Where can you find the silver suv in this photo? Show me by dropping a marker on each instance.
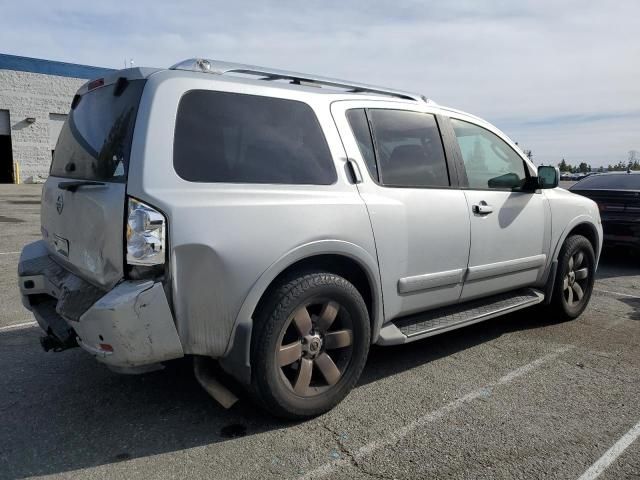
(281, 223)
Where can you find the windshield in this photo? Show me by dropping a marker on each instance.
(95, 141)
(615, 181)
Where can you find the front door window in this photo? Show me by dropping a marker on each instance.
(489, 161)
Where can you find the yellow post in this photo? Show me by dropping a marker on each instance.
(16, 172)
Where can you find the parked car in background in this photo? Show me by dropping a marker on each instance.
(281, 223)
(578, 176)
(618, 197)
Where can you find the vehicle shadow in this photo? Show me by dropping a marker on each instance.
(512, 208)
(68, 412)
(633, 303)
(388, 361)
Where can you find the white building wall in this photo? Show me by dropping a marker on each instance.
(56, 122)
(42, 97)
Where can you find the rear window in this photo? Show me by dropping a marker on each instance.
(615, 181)
(95, 141)
(238, 138)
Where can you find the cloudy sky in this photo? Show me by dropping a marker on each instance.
(561, 78)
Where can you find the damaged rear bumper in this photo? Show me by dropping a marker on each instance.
(126, 327)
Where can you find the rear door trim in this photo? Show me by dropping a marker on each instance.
(427, 281)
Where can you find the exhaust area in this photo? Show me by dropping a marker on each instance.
(204, 372)
(51, 342)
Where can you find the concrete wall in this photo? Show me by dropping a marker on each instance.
(35, 95)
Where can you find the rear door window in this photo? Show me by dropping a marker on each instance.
(408, 148)
(238, 138)
(360, 127)
(95, 140)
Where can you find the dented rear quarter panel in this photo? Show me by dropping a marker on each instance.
(224, 240)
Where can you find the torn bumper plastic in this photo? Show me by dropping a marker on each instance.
(129, 326)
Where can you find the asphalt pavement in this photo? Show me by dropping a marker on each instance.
(522, 396)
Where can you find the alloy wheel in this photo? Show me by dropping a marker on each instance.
(576, 281)
(315, 347)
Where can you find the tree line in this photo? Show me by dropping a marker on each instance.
(633, 163)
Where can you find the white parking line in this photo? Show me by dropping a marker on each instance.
(616, 293)
(17, 326)
(328, 468)
(9, 253)
(610, 455)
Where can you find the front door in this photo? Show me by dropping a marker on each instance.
(419, 218)
(510, 228)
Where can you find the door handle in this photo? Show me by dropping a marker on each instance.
(482, 208)
(354, 170)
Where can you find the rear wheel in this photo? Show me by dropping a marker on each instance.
(309, 346)
(575, 277)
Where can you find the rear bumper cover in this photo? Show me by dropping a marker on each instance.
(129, 326)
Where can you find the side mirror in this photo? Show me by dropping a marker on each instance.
(548, 176)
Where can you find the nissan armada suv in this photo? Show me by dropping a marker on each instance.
(281, 223)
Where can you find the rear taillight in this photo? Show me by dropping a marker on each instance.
(145, 235)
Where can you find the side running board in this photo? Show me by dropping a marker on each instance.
(433, 322)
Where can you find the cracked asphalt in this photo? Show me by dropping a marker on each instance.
(522, 396)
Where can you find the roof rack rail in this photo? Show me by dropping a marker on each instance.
(221, 68)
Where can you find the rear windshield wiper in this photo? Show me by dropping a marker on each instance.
(73, 186)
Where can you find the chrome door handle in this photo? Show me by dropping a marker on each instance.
(482, 208)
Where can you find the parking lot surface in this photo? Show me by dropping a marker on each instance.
(522, 396)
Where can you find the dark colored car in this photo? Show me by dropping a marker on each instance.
(618, 198)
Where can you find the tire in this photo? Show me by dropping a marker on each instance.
(288, 346)
(572, 290)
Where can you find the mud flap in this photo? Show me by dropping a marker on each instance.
(551, 281)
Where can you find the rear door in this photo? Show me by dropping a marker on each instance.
(419, 218)
(510, 228)
(83, 199)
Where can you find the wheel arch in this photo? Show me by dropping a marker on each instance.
(343, 258)
(582, 225)
(586, 228)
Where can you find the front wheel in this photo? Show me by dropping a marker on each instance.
(574, 278)
(309, 346)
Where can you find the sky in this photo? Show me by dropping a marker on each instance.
(560, 78)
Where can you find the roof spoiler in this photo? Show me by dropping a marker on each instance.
(135, 73)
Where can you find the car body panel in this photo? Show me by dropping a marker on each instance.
(227, 243)
(83, 201)
(128, 326)
(569, 211)
(509, 246)
(408, 224)
(224, 236)
(83, 230)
